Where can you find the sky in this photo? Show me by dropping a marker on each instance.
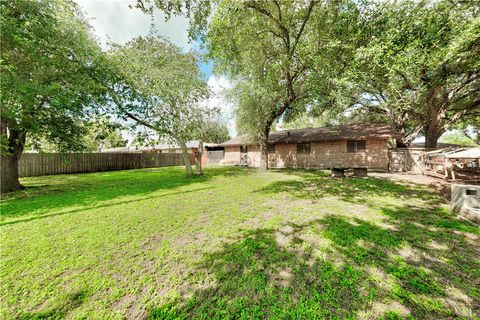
(115, 21)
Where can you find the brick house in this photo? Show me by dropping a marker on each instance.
(347, 146)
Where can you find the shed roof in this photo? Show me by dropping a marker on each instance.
(344, 132)
(473, 153)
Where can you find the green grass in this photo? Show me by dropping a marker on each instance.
(235, 244)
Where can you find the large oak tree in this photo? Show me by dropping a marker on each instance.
(49, 72)
(281, 55)
(419, 67)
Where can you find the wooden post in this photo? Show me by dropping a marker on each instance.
(445, 167)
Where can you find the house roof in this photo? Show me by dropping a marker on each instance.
(344, 132)
(130, 149)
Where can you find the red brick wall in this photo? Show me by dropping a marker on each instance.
(322, 155)
(232, 155)
(331, 154)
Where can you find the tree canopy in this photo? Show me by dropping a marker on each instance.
(281, 55)
(160, 88)
(215, 132)
(49, 62)
(418, 66)
(411, 63)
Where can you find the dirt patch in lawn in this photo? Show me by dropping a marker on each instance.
(153, 242)
(440, 186)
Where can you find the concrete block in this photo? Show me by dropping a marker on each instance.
(466, 201)
(360, 172)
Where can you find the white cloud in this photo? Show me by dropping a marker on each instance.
(116, 21)
(218, 85)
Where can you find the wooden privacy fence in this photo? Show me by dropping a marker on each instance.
(38, 164)
(215, 156)
(406, 160)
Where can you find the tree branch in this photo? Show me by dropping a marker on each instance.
(302, 27)
(255, 6)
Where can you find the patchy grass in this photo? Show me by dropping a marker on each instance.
(235, 243)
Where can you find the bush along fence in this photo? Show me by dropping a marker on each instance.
(38, 164)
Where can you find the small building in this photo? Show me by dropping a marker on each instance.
(212, 153)
(346, 146)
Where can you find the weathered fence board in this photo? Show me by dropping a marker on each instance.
(406, 160)
(215, 156)
(38, 164)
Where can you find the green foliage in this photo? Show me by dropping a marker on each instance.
(215, 132)
(49, 62)
(103, 134)
(305, 120)
(98, 134)
(167, 84)
(160, 89)
(283, 56)
(197, 11)
(421, 73)
(457, 137)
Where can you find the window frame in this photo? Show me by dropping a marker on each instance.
(243, 149)
(303, 148)
(359, 146)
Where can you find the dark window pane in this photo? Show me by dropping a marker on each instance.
(271, 148)
(243, 149)
(303, 147)
(361, 145)
(306, 147)
(351, 146)
(299, 148)
(356, 145)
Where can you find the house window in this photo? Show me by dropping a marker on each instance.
(303, 147)
(271, 148)
(243, 149)
(356, 146)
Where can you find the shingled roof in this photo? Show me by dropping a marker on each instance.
(345, 132)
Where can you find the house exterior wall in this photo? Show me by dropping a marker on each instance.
(322, 155)
(331, 154)
(232, 155)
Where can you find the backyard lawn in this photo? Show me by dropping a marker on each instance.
(236, 243)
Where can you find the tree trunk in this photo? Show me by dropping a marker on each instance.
(186, 161)
(9, 167)
(198, 158)
(10, 160)
(432, 128)
(432, 134)
(264, 150)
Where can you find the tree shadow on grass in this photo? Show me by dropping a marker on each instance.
(257, 278)
(405, 269)
(71, 301)
(315, 184)
(47, 215)
(90, 190)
